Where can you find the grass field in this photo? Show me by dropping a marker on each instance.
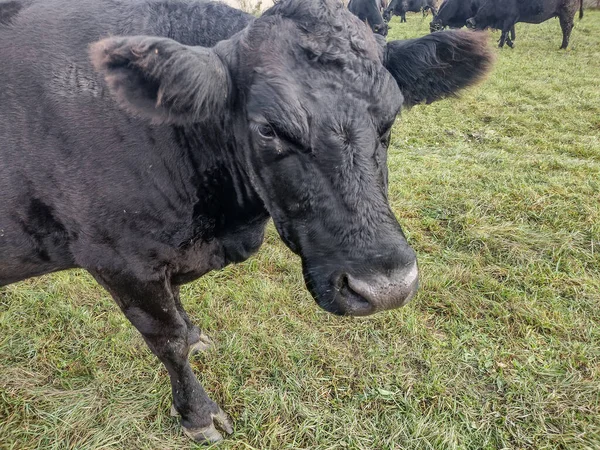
(499, 194)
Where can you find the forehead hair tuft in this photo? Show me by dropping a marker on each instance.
(329, 32)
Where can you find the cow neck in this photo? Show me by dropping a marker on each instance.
(226, 200)
(447, 10)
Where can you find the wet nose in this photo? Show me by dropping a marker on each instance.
(365, 295)
(471, 23)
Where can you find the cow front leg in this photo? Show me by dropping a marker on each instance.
(509, 30)
(153, 307)
(502, 39)
(510, 42)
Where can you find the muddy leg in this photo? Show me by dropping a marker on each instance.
(152, 307)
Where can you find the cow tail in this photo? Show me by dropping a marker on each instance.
(580, 9)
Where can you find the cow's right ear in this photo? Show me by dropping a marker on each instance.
(162, 80)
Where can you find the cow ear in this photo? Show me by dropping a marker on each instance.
(162, 80)
(437, 65)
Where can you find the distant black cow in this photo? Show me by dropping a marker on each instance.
(369, 12)
(455, 13)
(150, 161)
(504, 14)
(401, 7)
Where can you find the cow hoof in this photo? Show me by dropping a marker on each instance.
(207, 435)
(223, 421)
(201, 345)
(210, 433)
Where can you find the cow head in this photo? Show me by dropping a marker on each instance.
(437, 24)
(484, 16)
(371, 12)
(309, 96)
(453, 13)
(389, 11)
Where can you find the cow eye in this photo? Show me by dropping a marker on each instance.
(266, 131)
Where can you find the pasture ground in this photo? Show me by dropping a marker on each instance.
(499, 193)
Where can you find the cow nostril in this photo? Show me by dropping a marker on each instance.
(354, 303)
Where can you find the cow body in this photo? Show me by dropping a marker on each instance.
(369, 11)
(51, 229)
(504, 14)
(401, 7)
(157, 154)
(455, 13)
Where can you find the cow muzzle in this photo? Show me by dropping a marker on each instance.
(366, 295)
(471, 23)
(435, 26)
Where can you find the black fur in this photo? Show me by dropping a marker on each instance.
(163, 80)
(235, 120)
(420, 65)
(9, 10)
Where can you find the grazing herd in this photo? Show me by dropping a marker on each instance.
(475, 14)
(401, 7)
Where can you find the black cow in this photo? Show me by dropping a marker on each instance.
(149, 161)
(401, 7)
(455, 13)
(504, 14)
(369, 12)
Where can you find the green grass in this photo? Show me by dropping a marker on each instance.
(498, 192)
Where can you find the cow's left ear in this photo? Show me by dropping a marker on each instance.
(162, 80)
(437, 65)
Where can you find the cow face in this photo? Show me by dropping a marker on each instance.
(319, 117)
(310, 97)
(453, 13)
(436, 24)
(484, 17)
